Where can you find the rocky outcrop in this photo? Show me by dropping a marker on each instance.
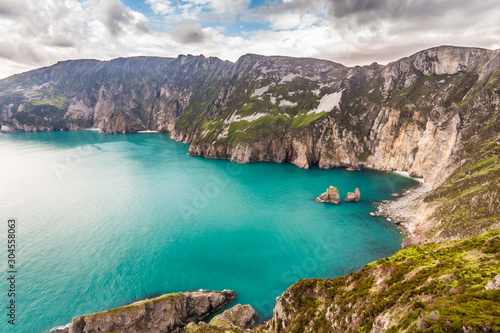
(330, 196)
(494, 284)
(414, 290)
(167, 313)
(238, 318)
(353, 197)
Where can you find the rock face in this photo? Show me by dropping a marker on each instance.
(427, 114)
(167, 313)
(359, 302)
(239, 317)
(494, 284)
(353, 197)
(330, 196)
(408, 115)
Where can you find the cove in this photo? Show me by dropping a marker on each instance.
(105, 220)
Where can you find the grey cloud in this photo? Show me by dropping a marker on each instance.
(219, 18)
(11, 9)
(115, 15)
(60, 42)
(188, 33)
(142, 27)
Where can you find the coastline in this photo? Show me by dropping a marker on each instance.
(409, 212)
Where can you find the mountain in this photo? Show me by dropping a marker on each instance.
(434, 114)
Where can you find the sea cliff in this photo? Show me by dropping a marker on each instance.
(434, 114)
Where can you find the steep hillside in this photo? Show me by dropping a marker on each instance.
(445, 287)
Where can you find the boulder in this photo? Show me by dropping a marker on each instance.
(241, 316)
(353, 197)
(353, 167)
(331, 196)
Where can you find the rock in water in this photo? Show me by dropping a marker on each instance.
(353, 197)
(353, 167)
(331, 196)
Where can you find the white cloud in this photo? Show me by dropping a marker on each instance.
(162, 7)
(39, 33)
(293, 20)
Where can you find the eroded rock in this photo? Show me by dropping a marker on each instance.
(353, 197)
(330, 196)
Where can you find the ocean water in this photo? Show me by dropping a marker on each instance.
(105, 220)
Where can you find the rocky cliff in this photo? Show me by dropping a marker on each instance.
(434, 114)
(408, 115)
(445, 287)
(428, 114)
(167, 313)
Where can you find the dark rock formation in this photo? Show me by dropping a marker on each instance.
(330, 196)
(353, 197)
(167, 313)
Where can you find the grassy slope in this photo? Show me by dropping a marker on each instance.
(432, 288)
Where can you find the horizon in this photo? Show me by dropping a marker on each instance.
(361, 32)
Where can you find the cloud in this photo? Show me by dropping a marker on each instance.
(37, 33)
(188, 32)
(11, 8)
(117, 17)
(161, 7)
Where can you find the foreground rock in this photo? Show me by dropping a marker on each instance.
(167, 313)
(239, 317)
(353, 197)
(330, 196)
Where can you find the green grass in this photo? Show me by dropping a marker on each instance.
(59, 101)
(445, 280)
(363, 157)
(305, 120)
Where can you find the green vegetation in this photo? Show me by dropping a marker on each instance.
(305, 120)
(432, 288)
(363, 157)
(262, 128)
(59, 102)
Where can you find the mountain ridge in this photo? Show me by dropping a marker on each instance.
(418, 114)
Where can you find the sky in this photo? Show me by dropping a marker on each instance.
(36, 33)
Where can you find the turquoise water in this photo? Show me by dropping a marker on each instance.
(106, 220)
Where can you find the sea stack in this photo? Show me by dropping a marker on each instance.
(331, 196)
(353, 197)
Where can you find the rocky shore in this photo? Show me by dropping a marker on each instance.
(410, 213)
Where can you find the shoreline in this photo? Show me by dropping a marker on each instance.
(408, 212)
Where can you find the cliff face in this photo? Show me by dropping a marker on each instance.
(423, 114)
(408, 115)
(418, 289)
(446, 287)
(167, 313)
